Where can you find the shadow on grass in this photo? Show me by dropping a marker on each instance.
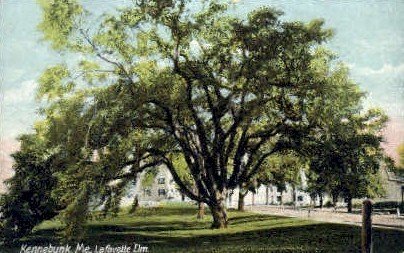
(254, 218)
(146, 227)
(173, 229)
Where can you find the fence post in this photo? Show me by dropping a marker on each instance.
(367, 227)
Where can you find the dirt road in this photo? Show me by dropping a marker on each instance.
(391, 221)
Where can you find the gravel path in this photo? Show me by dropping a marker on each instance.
(391, 221)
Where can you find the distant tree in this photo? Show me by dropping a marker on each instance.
(243, 190)
(400, 151)
(281, 170)
(317, 183)
(29, 198)
(293, 166)
(347, 159)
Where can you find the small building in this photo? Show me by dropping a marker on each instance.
(163, 188)
(393, 185)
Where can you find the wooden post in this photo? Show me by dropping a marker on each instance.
(367, 227)
(402, 195)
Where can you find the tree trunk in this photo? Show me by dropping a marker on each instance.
(294, 195)
(135, 205)
(182, 197)
(349, 204)
(253, 199)
(219, 216)
(334, 201)
(241, 201)
(267, 195)
(281, 202)
(321, 200)
(201, 210)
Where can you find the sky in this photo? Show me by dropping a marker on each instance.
(369, 38)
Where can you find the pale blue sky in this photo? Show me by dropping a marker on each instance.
(369, 38)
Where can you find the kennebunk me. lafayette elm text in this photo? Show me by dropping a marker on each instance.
(81, 248)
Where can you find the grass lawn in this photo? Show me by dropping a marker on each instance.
(174, 228)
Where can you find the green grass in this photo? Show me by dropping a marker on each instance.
(175, 229)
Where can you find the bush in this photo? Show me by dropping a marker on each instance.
(357, 205)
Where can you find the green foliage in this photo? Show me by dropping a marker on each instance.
(59, 20)
(92, 72)
(328, 204)
(51, 83)
(346, 158)
(283, 168)
(149, 177)
(181, 166)
(75, 215)
(29, 200)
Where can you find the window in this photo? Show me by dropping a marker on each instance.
(299, 198)
(147, 192)
(162, 192)
(161, 180)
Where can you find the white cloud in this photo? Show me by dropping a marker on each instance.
(23, 93)
(385, 41)
(386, 69)
(13, 74)
(350, 65)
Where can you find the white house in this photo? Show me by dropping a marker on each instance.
(165, 189)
